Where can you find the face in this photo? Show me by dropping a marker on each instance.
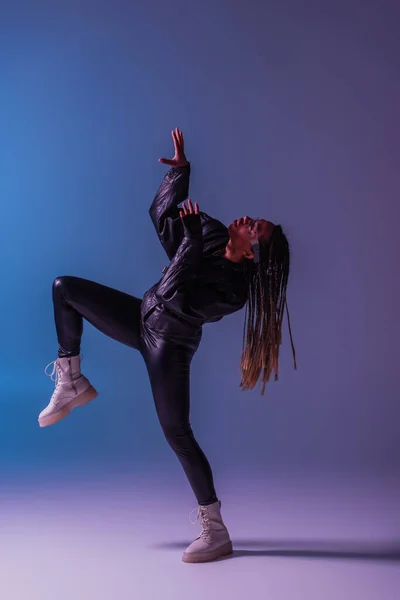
(241, 232)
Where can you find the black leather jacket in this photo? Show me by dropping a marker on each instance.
(200, 285)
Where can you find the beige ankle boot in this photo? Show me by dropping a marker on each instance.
(214, 540)
(72, 389)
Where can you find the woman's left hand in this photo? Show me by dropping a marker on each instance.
(190, 210)
(190, 217)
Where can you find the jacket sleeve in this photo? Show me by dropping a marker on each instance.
(164, 211)
(213, 302)
(182, 269)
(181, 291)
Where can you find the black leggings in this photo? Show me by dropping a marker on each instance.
(118, 315)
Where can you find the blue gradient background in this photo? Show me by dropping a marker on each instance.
(290, 111)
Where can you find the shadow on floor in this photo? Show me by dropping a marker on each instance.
(373, 551)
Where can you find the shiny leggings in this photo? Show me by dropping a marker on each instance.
(118, 315)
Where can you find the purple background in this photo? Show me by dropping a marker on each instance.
(290, 111)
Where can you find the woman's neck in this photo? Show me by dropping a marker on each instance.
(230, 253)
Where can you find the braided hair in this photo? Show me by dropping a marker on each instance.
(262, 336)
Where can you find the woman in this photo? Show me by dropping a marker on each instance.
(213, 271)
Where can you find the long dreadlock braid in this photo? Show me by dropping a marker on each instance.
(262, 335)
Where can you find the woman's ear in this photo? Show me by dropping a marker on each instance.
(249, 254)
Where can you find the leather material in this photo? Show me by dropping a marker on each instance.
(200, 285)
(167, 348)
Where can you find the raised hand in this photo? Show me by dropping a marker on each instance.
(179, 159)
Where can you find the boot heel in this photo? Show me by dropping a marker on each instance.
(228, 549)
(87, 396)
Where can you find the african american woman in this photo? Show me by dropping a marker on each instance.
(214, 271)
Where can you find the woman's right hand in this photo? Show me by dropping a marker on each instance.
(179, 159)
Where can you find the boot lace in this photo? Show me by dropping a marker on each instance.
(56, 376)
(202, 513)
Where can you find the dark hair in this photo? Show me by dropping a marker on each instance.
(262, 335)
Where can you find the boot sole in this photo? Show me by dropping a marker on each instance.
(87, 396)
(201, 557)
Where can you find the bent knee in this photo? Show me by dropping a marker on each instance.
(62, 285)
(61, 282)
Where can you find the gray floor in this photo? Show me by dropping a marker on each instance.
(115, 539)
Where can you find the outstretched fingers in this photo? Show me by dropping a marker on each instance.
(179, 153)
(181, 140)
(190, 209)
(175, 138)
